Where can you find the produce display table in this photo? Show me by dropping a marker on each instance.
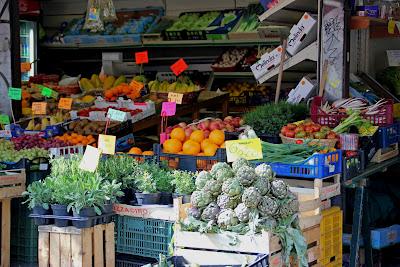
(361, 219)
(206, 99)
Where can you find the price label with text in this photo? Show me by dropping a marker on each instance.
(179, 67)
(90, 159)
(4, 119)
(25, 66)
(247, 148)
(116, 115)
(48, 92)
(136, 85)
(175, 97)
(107, 144)
(168, 109)
(15, 93)
(65, 103)
(39, 108)
(141, 57)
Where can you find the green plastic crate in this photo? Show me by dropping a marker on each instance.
(142, 237)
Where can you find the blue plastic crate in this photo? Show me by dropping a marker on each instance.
(380, 237)
(388, 135)
(317, 166)
(142, 237)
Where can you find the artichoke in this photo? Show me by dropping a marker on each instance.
(237, 164)
(201, 179)
(226, 202)
(242, 212)
(268, 206)
(264, 171)
(262, 185)
(232, 187)
(214, 187)
(200, 199)
(210, 213)
(218, 167)
(246, 175)
(268, 223)
(251, 197)
(224, 174)
(279, 189)
(227, 218)
(194, 212)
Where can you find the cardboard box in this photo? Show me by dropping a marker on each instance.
(267, 62)
(303, 91)
(302, 34)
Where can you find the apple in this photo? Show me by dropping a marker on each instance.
(206, 133)
(193, 127)
(204, 125)
(228, 118)
(182, 124)
(241, 122)
(188, 131)
(214, 125)
(169, 129)
(230, 128)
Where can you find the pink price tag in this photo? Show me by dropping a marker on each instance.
(168, 109)
(163, 137)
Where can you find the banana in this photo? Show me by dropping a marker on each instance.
(45, 123)
(31, 125)
(53, 120)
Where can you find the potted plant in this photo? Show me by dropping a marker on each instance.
(39, 198)
(59, 200)
(184, 183)
(112, 190)
(147, 186)
(163, 181)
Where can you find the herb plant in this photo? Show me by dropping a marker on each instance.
(184, 182)
(38, 195)
(146, 184)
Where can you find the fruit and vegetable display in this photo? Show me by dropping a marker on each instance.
(87, 127)
(35, 141)
(249, 21)
(194, 21)
(101, 81)
(245, 200)
(229, 59)
(76, 139)
(85, 112)
(182, 85)
(40, 124)
(308, 130)
(253, 56)
(355, 123)
(391, 78)
(14, 152)
(343, 106)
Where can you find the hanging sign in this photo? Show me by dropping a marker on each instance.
(246, 148)
(179, 67)
(65, 103)
(14, 93)
(175, 97)
(168, 109)
(116, 115)
(141, 57)
(90, 159)
(107, 144)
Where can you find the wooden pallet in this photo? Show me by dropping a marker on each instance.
(385, 154)
(70, 246)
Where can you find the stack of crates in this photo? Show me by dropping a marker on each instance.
(331, 229)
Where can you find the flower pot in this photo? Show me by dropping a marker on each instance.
(60, 210)
(185, 198)
(148, 199)
(166, 198)
(39, 210)
(129, 195)
(107, 208)
(85, 212)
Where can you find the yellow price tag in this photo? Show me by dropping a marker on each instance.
(247, 148)
(90, 159)
(390, 27)
(39, 108)
(65, 103)
(107, 144)
(175, 97)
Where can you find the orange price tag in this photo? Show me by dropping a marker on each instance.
(141, 57)
(136, 85)
(25, 66)
(39, 108)
(179, 67)
(65, 103)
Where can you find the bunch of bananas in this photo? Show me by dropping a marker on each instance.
(103, 82)
(47, 121)
(182, 85)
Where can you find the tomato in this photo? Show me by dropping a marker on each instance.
(299, 142)
(308, 129)
(351, 154)
(301, 134)
(325, 129)
(299, 129)
(315, 128)
(319, 135)
(284, 130)
(331, 135)
(307, 123)
(291, 126)
(290, 133)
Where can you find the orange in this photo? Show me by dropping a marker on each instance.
(197, 136)
(148, 153)
(172, 146)
(135, 150)
(217, 137)
(204, 143)
(201, 154)
(210, 150)
(178, 133)
(191, 147)
(223, 145)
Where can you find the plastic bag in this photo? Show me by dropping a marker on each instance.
(108, 10)
(93, 21)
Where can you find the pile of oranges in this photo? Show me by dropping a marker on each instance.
(196, 144)
(77, 139)
(138, 151)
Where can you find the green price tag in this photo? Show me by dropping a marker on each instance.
(15, 93)
(4, 119)
(48, 92)
(116, 115)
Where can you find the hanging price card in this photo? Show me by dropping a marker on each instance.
(48, 92)
(168, 109)
(247, 148)
(4, 119)
(175, 97)
(90, 159)
(65, 103)
(14, 93)
(179, 67)
(39, 108)
(391, 25)
(25, 66)
(136, 85)
(107, 144)
(141, 57)
(116, 115)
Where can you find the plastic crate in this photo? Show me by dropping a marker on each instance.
(123, 260)
(65, 152)
(317, 166)
(331, 229)
(261, 261)
(388, 135)
(353, 165)
(187, 162)
(380, 237)
(142, 237)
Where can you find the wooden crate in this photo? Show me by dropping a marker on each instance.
(385, 154)
(70, 246)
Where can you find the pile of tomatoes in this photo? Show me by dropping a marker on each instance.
(308, 130)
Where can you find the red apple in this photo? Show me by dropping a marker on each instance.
(241, 122)
(188, 131)
(193, 127)
(182, 124)
(214, 125)
(228, 118)
(236, 122)
(206, 133)
(230, 128)
(175, 126)
(204, 125)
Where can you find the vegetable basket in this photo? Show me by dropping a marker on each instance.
(322, 142)
(188, 98)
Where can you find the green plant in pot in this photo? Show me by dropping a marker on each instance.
(147, 186)
(163, 180)
(39, 198)
(112, 191)
(184, 183)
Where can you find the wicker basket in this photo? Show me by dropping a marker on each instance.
(323, 142)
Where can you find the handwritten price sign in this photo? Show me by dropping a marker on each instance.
(168, 109)
(90, 159)
(4, 119)
(175, 97)
(107, 144)
(116, 115)
(39, 108)
(248, 149)
(65, 103)
(15, 93)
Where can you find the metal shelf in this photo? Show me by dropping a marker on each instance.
(240, 74)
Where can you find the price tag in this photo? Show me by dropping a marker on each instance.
(168, 109)
(116, 115)
(5, 134)
(136, 85)
(90, 159)
(179, 67)
(393, 57)
(175, 97)
(48, 92)
(247, 148)
(4, 119)
(65, 103)
(25, 66)
(141, 57)
(391, 25)
(107, 144)
(39, 108)
(396, 110)
(15, 93)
